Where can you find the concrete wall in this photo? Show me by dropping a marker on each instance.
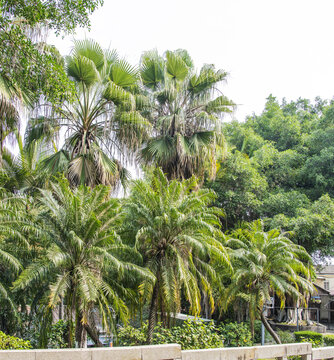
(173, 352)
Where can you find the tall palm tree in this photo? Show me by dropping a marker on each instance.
(177, 234)
(186, 111)
(77, 230)
(266, 263)
(102, 122)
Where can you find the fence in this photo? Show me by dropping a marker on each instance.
(173, 352)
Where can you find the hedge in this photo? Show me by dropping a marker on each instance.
(309, 336)
(8, 342)
(329, 340)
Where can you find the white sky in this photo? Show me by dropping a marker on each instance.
(267, 46)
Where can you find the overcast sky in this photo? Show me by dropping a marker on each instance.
(267, 46)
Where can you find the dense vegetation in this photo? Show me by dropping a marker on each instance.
(225, 214)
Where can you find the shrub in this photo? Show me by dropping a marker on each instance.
(190, 335)
(286, 337)
(8, 342)
(236, 335)
(195, 335)
(57, 337)
(131, 336)
(329, 340)
(312, 337)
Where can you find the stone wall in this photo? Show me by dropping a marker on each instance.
(173, 352)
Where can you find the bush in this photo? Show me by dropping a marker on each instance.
(329, 340)
(236, 335)
(195, 335)
(190, 335)
(131, 336)
(286, 337)
(57, 337)
(312, 337)
(8, 342)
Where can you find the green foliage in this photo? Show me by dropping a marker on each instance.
(286, 337)
(128, 335)
(13, 343)
(290, 146)
(329, 340)
(263, 263)
(176, 231)
(236, 335)
(184, 114)
(58, 335)
(190, 335)
(312, 226)
(81, 257)
(240, 189)
(37, 68)
(316, 339)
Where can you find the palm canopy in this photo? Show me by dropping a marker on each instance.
(80, 252)
(102, 122)
(185, 113)
(177, 234)
(266, 263)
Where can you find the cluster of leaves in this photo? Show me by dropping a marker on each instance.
(316, 339)
(329, 340)
(190, 335)
(28, 65)
(8, 342)
(236, 335)
(278, 168)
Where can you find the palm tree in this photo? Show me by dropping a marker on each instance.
(9, 121)
(102, 122)
(177, 234)
(80, 252)
(266, 263)
(23, 173)
(185, 113)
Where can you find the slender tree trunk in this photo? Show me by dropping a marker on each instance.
(80, 332)
(93, 334)
(152, 318)
(270, 329)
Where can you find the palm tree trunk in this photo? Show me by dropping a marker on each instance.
(152, 318)
(93, 335)
(80, 332)
(270, 329)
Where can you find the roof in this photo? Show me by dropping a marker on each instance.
(321, 290)
(329, 269)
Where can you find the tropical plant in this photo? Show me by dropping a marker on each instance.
(192, 334)
(236, 335)
(266, 263)
(24, 172)
(102, 124)
(177, 233)
(13, 343)
(185, 113)
(79, 264)
(9, 121)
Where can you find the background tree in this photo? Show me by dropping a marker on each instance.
(266, 263)
(26, 62)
